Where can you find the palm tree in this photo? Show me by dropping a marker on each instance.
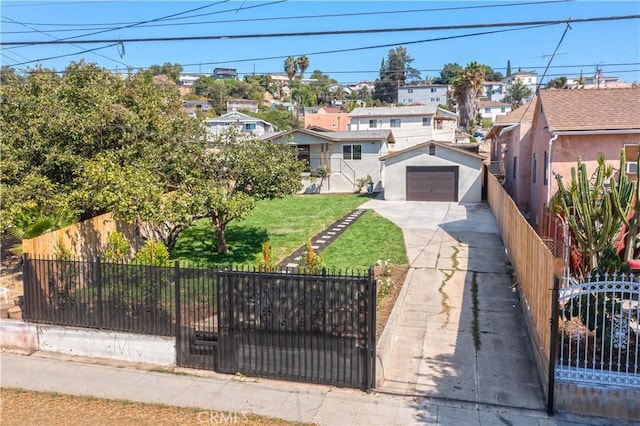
(466, 88)
(303, 63)
(290, 67)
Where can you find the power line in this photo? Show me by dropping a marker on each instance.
(288, 18)
(323, 33)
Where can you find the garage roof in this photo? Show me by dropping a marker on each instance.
(426, 144)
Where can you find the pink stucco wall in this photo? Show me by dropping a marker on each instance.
(518, 146)
(564, 154)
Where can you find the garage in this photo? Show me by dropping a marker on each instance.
(432, 183)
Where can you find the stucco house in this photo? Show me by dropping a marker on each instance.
(425, 94)
(568, 124)
(349, 155)
(493, 90)
(242, 104)
(529, 79)
(410, 125)
(243, 122)
(492, 109)
(329, 118)
(510, 138)
(433, 171)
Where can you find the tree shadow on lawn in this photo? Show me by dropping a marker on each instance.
(197, 245)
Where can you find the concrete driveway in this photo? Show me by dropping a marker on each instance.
(460, 334)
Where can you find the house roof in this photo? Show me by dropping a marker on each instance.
(524, 113)
(236, 117)
(489, 104)
(426, 144)
(242, 100)
(344, 136)
(395, 111)
(604, 109)
(422, 86)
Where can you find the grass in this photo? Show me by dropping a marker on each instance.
(369, 239)
(285, 223)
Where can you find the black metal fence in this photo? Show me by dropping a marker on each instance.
(312, 328)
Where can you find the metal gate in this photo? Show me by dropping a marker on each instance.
(309, 328)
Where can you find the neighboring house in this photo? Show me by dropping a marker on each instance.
(568, 124)
(433, 171)
(193, 107)
(426, 94)
(328, 118)
(225, 74)
(188, 79)
(349, 156)
(242, 104)
(492, 109)
(410, 125)
(243, 122)
(510, 138)
(529, 79)
(596, 82)
(493, 90)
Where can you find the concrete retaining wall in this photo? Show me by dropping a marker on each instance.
(600, 401)
(83, 342)
(385, 342)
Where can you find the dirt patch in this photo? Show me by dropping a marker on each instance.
(385, 305)
(20, 407)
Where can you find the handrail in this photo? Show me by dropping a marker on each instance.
(343, 168)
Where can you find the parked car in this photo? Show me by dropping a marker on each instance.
(478, 135)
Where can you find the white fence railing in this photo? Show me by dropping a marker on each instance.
(599, 330)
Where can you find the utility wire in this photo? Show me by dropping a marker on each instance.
(286, 18)
(82, 50)
(323, 33)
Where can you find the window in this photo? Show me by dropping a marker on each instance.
(373, 124)
(434, 90)
(352, 152)
(546, 168)
(432, 149)
(409, 90)
(410, 100)
(395, 122)
(433, 99)
(631, 153)
(304, 154)
(631, 168)
(533, 168)
(503, 110)
(249, 127)
(487, 110)
(334, 125)
(426, 121)
(437, 99)
(439, 124)
(515, 167)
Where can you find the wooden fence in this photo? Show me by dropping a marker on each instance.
(534, 269)
(86, 240)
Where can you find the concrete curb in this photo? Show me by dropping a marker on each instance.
(384, 344)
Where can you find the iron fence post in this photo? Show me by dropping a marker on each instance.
(26, 290)
(177, 331)
(553, 346)
(99, 285)
(372, 329)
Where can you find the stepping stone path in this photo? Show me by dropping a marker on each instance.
(321, 240)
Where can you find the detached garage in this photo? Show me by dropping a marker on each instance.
(433, 171)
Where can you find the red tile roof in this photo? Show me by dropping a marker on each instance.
(603, 109)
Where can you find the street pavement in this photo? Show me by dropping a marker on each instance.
(460, 356)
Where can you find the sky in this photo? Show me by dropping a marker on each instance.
(612, 46)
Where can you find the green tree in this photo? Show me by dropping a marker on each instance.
(290, 67)
(448, 73)
(466, 88)
(394, 72)
(321, 86)
(557, 83)
(517, 93)
(279, 117)
(238, 172)
(172, 71)
(508, 68)
(8, 75)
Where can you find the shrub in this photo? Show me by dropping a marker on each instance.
(152, 253)
(117, 248)
(310, 261)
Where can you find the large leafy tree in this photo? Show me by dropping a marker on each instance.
(237, 172)
(57, 130)
(172, 71)
(321, 86)
(448, 73)
(466, 88)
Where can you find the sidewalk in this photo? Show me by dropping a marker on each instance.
(322, 405)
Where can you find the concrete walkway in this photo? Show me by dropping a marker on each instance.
(460, 334)
(439, 376)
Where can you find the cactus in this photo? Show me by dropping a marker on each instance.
(594, 212)
(627, 186)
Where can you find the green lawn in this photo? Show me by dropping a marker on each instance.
(287, 224)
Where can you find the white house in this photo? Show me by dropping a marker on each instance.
(492, 109)
(493, 90)
(426, 94)
(433, 171)
(410, 125)
(529, 79)
(243, 122)
(349, 156)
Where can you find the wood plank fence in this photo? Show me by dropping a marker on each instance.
(534, 269)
